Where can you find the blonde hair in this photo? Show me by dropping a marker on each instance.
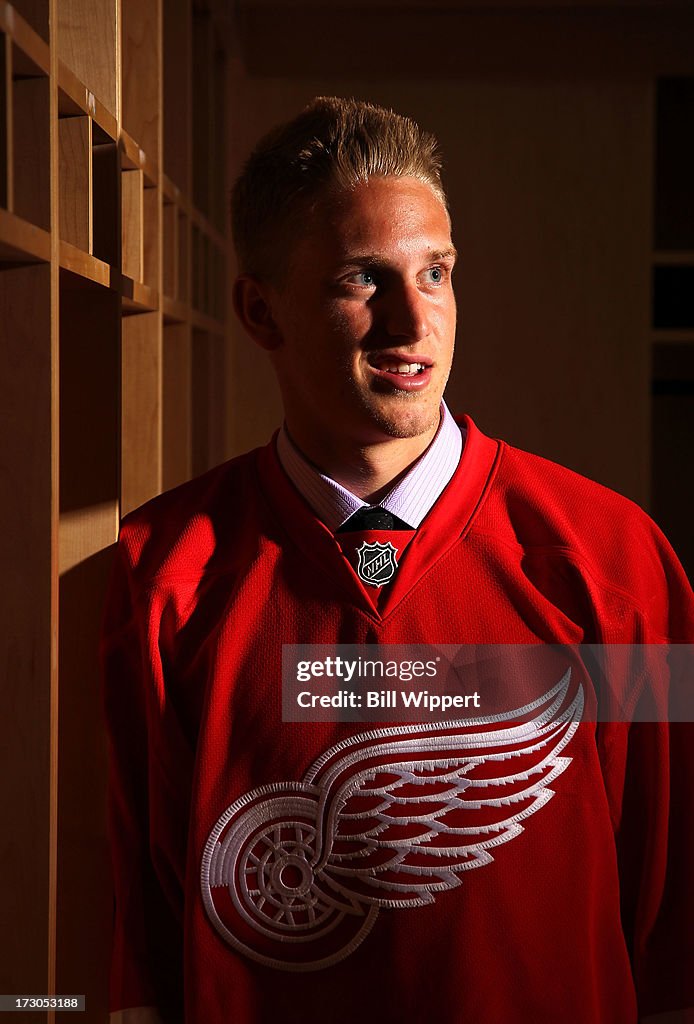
(333, 144)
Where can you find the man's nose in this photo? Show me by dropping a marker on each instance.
(407, 312)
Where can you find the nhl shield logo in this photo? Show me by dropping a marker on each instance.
(377, 563)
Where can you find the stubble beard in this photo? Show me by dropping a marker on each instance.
(423, 416)
(384, 408)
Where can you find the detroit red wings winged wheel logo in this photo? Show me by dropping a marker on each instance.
(294, 874)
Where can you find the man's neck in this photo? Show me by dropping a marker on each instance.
(369, 471)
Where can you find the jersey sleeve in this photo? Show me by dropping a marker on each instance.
(652, 779)
(655, 843)
(146, 963)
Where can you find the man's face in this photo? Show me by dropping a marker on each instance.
(366, 315)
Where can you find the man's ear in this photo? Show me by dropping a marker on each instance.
(252, 306)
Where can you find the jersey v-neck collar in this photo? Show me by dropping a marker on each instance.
(410, 499)
(445, 524)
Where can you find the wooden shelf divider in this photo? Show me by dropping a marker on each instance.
(88, 47)
(132, 247)
(27, 609)
(140, 82)
(183, 257)
(75, 148)
(151, 232)
(31, 149)
(171, 249)
(106, 211)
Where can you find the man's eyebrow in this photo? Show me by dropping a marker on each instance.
(363, 259)
(372, 259)
(444, 254)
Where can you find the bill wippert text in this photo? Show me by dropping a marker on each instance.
(408, 699)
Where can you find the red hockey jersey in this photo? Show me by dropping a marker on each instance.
(272, 871)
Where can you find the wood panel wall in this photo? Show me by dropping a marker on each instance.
(98, 412)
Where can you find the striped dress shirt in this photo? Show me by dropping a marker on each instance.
(410, 499)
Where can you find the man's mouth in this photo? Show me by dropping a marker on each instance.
(401, 371)
(408, 369)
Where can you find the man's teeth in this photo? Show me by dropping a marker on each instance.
(403, 367)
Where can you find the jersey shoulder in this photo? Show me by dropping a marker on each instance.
(553, 513)
(189, 528)
(549, 504)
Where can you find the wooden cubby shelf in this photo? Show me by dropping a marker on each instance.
(32, 49)
(133, 158)
(172, 192)
(151, 236)
(21, 241)
(75, 98)
(105, 191)
(34, 13)
(209, 229)
(138, 297)
(207, 323)
(175, 312)
(170, 225)
(184, 268)
(25, 121)
(132, 216)
(103, 407)
(75, 177)
(86, 266)
(30, 196)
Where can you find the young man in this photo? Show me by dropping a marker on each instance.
(506, 870)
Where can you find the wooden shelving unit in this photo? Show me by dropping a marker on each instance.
(673, 314)
(113, 257)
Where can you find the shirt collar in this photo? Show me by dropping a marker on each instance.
(410, 499)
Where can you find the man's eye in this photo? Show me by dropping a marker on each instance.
(436, 275)
(365, 279)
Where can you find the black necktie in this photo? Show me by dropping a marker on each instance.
(375, 518)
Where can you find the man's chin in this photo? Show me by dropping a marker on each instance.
(406, 423)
